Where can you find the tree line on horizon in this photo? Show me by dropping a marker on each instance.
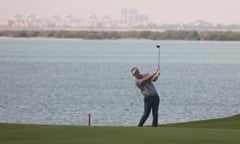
(152, 35)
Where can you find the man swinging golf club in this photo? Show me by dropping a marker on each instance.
(148, 90)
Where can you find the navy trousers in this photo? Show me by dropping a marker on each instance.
(150, 103)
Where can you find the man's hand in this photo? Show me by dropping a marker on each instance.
(156, 74)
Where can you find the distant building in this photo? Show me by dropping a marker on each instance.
(4, 23)
(132, 17)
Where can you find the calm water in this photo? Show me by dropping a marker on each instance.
(49, 81)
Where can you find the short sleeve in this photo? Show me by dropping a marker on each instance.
(138, 83)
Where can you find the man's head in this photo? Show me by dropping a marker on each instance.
(135, 72)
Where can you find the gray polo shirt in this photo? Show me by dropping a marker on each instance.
(147, 88)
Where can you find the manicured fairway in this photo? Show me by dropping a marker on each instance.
(218, 131)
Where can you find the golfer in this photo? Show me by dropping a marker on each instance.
(151, 98)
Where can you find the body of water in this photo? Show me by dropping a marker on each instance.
(59, 81)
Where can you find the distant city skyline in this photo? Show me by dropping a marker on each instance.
(158, 11)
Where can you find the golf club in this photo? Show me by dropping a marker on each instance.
(158, 46)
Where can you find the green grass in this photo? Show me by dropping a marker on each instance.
(217, 131)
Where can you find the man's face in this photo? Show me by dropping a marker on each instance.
(137, 74)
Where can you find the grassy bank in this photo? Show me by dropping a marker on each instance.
(151, 35)
(217, 131)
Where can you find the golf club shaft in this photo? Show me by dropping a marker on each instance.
(159, 57)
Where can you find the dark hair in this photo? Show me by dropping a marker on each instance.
(134, 69)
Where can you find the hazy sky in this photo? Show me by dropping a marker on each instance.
(161, 11)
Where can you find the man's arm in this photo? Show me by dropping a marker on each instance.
(150, 76)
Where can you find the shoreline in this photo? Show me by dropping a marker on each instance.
(160, 125)
(192, 35)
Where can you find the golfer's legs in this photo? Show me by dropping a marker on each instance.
(147, 110)
(155, 112)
